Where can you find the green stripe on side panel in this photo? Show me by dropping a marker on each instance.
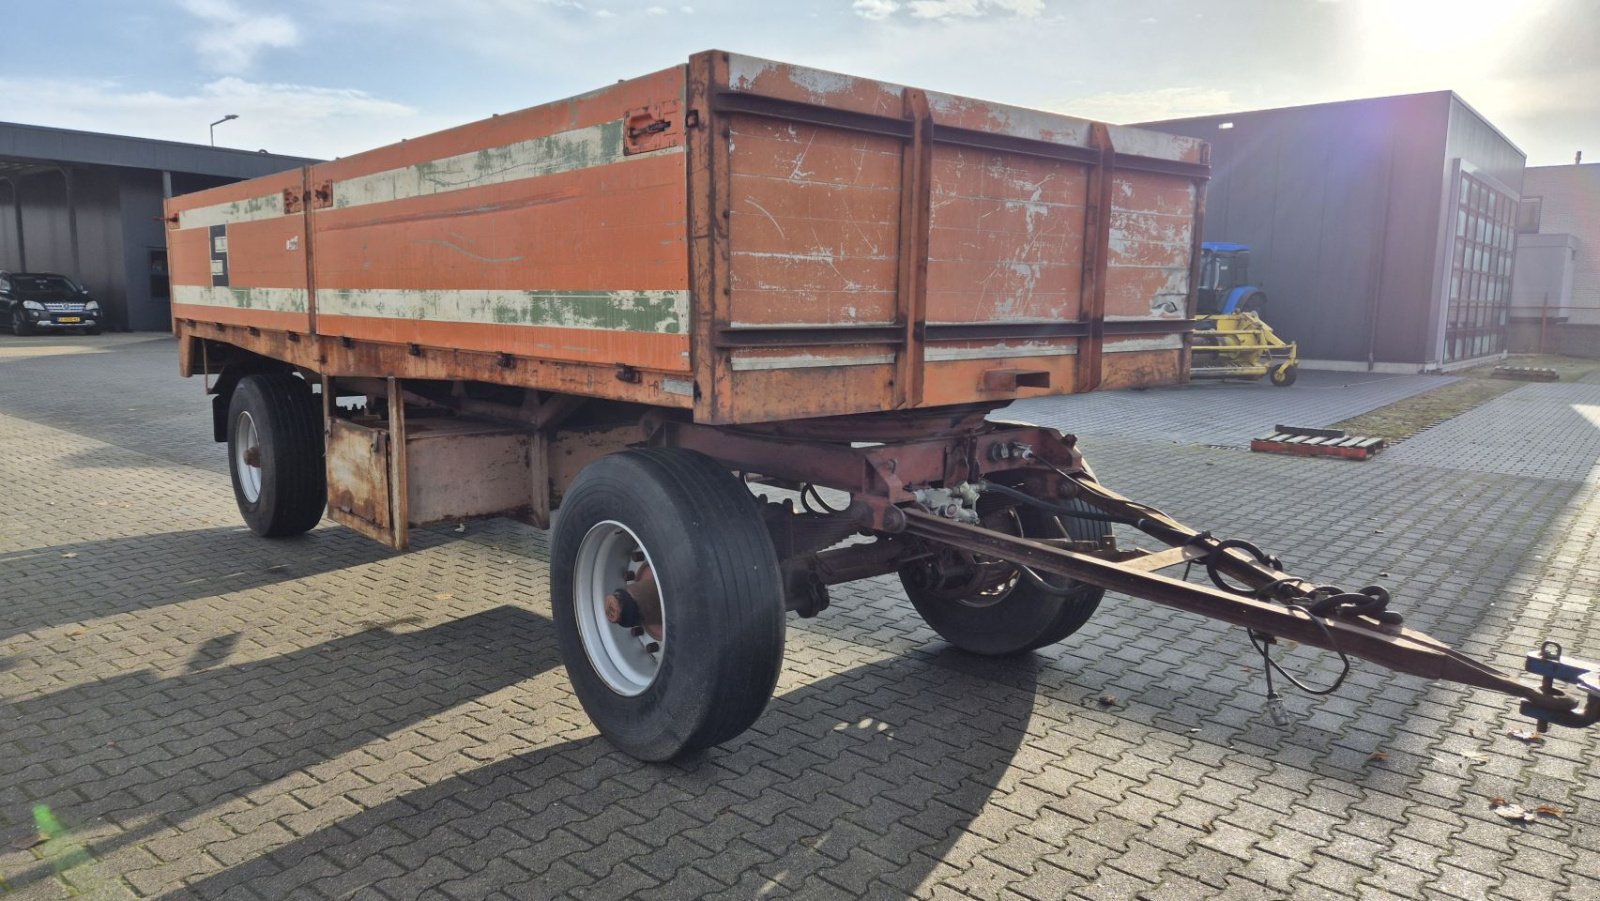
(658, 312)
(580, 148)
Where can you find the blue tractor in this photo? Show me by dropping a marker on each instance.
(1225, 280)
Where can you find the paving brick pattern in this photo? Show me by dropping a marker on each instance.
(211, 715)
(1540, 430)
(1223, 414)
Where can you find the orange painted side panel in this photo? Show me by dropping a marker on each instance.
(665, 353)
(594, 108)
(561, 234)
(1152, 239)
(802, 84)
(269, 253)
(189, 256)
(813, 224)
(236, 254)
(1007, 237)
(261, 319)
(539, 233)
(815, 391)
(613, 227)
(961, 381)
(237, 191)
(771, 395)
(1134, 369)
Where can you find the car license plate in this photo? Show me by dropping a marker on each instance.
(70, 319)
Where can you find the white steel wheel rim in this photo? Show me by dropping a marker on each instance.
(247, 447)
(621, 656)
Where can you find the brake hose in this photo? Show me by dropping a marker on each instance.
(1371, 601)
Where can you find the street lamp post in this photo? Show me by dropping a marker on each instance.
(219, 122)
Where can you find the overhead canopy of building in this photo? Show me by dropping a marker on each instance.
(88, 206)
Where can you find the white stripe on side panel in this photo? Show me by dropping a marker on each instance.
(250, 209)
(567, 151)
(275, 300)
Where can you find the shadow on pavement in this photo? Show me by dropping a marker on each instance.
(70, 583)
(148, 753)
(874, 772)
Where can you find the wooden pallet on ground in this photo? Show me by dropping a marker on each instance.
(1309, 442)
(1526, 373)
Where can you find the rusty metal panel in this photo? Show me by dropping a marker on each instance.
(570, 450)
(841, 300)
(1007, 237)
(813, 216)
(358, 479)
(460, 469)
(1152, 237)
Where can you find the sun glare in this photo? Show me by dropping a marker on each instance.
(1422, 44)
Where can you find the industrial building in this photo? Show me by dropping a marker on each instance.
(88, 206)
(1555, 299)
(1382, 230)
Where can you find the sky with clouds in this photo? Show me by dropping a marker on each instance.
(325, 78)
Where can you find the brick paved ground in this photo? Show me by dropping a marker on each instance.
(1542, 430)
(1225, 414)
(212, 715)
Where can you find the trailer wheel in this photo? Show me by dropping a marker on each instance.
(1017, 616)
(694, 664)
(275, 449)
(1284, 375)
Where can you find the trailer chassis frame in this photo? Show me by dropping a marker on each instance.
(887, 462)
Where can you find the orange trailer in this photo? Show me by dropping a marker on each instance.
(615, 302)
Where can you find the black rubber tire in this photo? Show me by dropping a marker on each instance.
(1028, 617)
(20, 326)
(288, 420)
(723, 592)
(1283, 376)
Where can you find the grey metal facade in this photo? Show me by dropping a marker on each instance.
(1350, 210)
(90, 206)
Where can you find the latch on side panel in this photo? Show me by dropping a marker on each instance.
(652, 127)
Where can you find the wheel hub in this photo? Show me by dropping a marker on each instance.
(623, 632)
(247, 457)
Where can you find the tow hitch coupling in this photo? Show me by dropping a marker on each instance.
(1550, 664)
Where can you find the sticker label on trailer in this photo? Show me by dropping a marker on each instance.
(219, 256)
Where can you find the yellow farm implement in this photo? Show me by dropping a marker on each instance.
(1242, 346)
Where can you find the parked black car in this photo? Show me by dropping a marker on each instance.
(31, 301)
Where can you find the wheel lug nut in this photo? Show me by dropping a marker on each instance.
(652, 647)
